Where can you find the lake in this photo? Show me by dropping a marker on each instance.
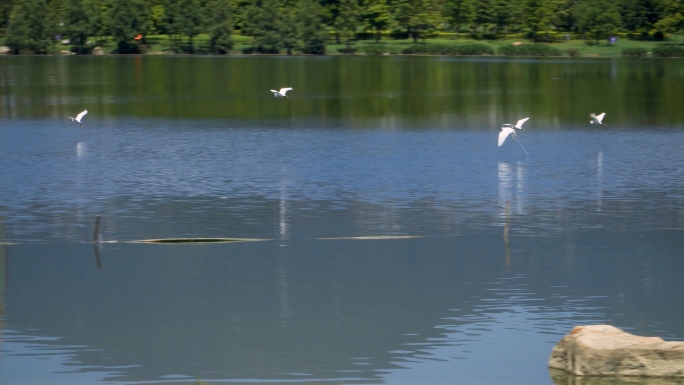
(380, 235)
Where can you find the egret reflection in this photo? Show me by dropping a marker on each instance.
(283, 228)
(507, 244)
(283, 225)
(80, 149)
(4, 253)
(599, 181)
(512, 187)
(511, 194)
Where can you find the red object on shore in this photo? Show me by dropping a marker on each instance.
(138, 37)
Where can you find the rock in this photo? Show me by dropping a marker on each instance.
(4, 50)
(65, 52)
(98, 51)
(604, 350)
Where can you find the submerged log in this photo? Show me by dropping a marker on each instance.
(604, 350)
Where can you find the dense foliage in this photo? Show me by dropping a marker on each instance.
(529, 50)
(309, 25)
(634, 52)
(449, 50)
(668, 51)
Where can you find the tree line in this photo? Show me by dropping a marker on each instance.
(307, 26)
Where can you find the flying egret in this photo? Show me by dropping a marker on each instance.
(79, 117)
(509, 129)
(597, 119)
(281, 93)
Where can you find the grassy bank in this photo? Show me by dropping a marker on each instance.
(161, 44)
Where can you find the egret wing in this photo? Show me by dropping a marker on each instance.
(600, 117)
(505, 131)
(81, 115)
(284, 90)
(520, 123)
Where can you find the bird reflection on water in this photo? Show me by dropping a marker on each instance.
(507, 244)
(511, 189)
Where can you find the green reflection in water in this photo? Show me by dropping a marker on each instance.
(462, 91)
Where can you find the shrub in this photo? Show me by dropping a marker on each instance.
(255, 50)
(529, 50)
(83, 50)
(634, 52)
(398, 35)
(378, 49)
(123, 47)
(572, 52)
(547, 36)
(483, 36)
(668, 51)
(449, 49)
(590, 43)
(430, 33)
(365, 36)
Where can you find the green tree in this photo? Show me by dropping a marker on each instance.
(77, 23)
(544, 15)
(127, 19)
(598, 18)
(289, 25)
(641, 15)
(347, 21)
(190, 20)
(239, 9)
(416, 16)
(482, 15)
(562, 17)
(261, 22)
(54, 18)
(376, 15)
(5, 10)
(673, 17)
(172, 16)
(507, 14)
(30, 28)
(98, 14)
(220, 26)
(312, 34)
(458, 13)
(331, 10)
(158, 18)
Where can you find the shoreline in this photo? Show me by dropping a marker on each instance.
(159, 45)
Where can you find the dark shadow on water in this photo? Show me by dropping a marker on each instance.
(561, 377)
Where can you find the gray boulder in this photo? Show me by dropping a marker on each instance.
(604, 350)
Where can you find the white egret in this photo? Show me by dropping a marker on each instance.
(597, 119)
(509, 129)
(79, 117)
(281, 93)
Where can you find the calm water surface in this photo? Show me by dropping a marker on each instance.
(381, 201)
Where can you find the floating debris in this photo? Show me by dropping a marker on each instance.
(196, 240)
(379, 237)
